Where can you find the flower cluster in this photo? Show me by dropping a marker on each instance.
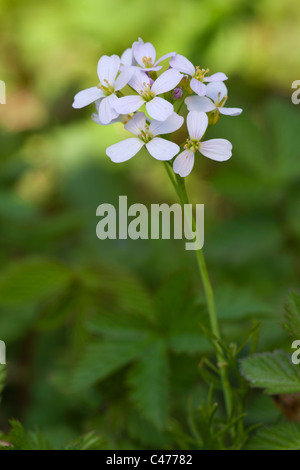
(135, 89)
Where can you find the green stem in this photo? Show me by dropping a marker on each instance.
(179, 186)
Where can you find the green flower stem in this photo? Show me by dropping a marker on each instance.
(179, 186)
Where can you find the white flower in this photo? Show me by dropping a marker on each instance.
(147, 135)
(127, 58)
(181, 63)
(216, 149)
(110, 82)
(217, 92)
(145, 55)
(157, 108)
(124, 118)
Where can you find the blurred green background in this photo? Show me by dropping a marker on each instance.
(105, 334)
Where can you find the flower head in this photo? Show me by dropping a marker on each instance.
(157, 108)
(215, 149)
(147, 134)
(111, 81)
(145, 55)
(215, 99)
(199, 76)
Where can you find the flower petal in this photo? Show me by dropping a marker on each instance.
(171, 124)
(136, 123)
(216, 149)
(199, 103)
(128, 104)
(166, 81)
(181, 63)
(159, 109)
(197, 123)
(198, 87)
(216, 77)
(164, 57)
(144, 50)
(230, 111)
(107, 110)
(162, 149)
(216, 91)
(108, 68)
(88, 96)
(127, 57)
(183, 164)
(124, 78)
(124, 150)
(139, 80)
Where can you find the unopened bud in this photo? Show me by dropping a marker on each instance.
(177, 93)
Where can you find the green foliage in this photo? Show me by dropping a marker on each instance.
(284, 436)
(149, 383)
(292, 315)
(272, 371)
(32, 280)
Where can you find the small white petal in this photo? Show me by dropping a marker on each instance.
(162, 149)
(230, 111)
(96, 119)
(136, 123)
(108, 68)
(197, 123)
(199, 103)
(216, 149)
(144, 50)
(124, 150)
(124, 78)
(198, 87)
(171, 124)
(166, 81)
(127, 57)
(181, 63)
(183, 164)
(216, 77)
(159, 109)
(88, 96)
(216, 91)
(139, 80)
(128, 104)
(164, 57)
(155, 68)
(106, 109)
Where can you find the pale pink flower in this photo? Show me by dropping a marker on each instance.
(182, 64)
(111, 81)
(215, 149)
(157, 108)
(215, 99)
(147, 135)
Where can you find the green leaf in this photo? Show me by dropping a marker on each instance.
(90, 441)
(103, 359)
(272, 371)
(292, 315)
(282, 437)
(149, 383)
(17, 436)
(31, 280)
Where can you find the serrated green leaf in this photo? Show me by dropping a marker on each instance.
(292, 315)
(272, 371)
(282, 437)
(31, 280)
(103, 359)
(149, 383)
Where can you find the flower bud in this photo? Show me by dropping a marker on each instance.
(177, 93)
